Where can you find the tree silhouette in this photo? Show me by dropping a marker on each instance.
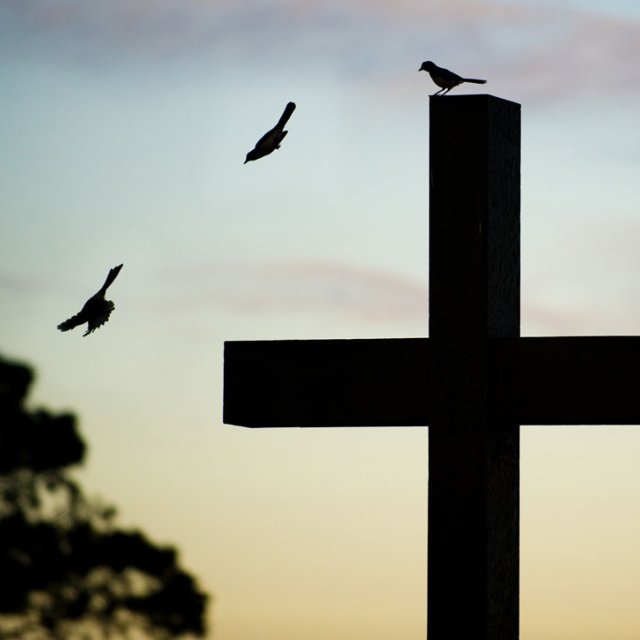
(66, 570)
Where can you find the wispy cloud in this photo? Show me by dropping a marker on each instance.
(369, 295)
(537, 52)
(313, 287)
(365, 294)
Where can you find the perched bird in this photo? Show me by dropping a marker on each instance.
(444, 78)
(271, 140)
(96, 310)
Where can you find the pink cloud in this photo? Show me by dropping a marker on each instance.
(370, 296)
(532, 52)
(312, 287)
(583, 54)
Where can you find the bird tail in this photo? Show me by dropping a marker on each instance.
(112, 275)
(475, 80)
(286, 114)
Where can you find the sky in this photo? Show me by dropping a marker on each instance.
(124, 126)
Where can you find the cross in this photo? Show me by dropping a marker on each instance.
(473, 382)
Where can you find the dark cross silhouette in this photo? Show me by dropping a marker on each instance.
(473, 381)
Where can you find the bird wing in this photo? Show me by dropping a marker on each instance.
(73, 322)
(269, 140)
(449, 76)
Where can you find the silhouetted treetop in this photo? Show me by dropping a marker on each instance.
(66, 570)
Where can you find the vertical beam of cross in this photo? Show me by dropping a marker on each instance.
(474, 295)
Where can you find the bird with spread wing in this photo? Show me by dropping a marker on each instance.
(96, 310)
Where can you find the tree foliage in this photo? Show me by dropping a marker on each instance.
(66, 570)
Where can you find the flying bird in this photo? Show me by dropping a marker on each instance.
(271, 140)
(96, 310)
(444, 78)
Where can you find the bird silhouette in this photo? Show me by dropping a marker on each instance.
(96, 310)
(444, 78)
(271, 140)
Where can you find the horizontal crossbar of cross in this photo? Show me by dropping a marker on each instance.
(394, 382)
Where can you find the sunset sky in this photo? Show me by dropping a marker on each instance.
(124, 126)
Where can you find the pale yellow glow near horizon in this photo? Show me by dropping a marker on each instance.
(323, 531)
